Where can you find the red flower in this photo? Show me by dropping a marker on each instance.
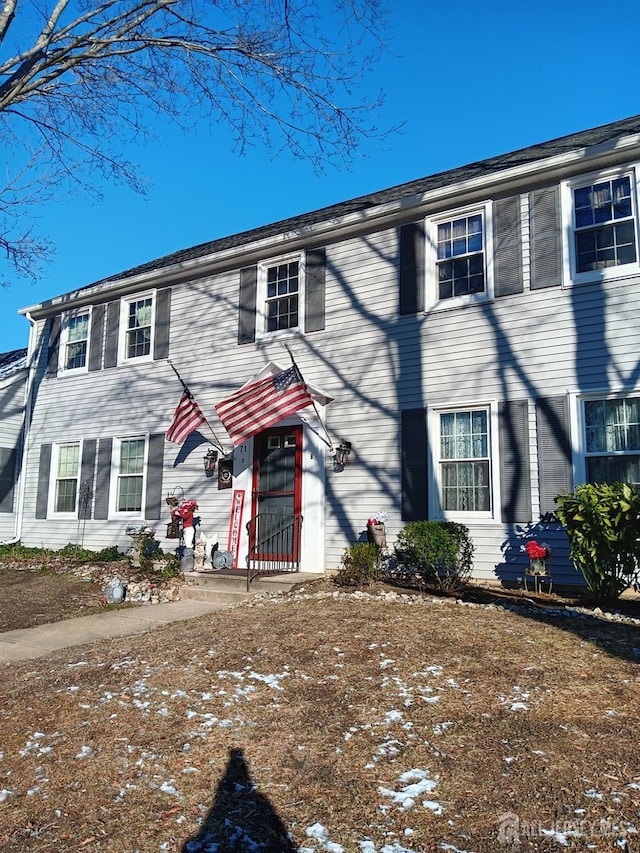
(536, 551)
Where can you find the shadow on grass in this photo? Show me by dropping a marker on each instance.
(241, 819)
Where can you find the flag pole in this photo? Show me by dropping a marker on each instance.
(182, 382)
(326, 440)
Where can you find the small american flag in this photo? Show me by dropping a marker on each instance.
(186, 418)
(262, 404)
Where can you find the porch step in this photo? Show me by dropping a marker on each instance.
(231, 589)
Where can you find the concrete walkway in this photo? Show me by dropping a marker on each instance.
(26, 643)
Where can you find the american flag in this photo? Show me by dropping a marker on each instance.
(263, 403)
(186, 418)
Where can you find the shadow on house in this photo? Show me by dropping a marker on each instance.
(548, 531)
(241, 820)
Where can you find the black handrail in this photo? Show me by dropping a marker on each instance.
(274, 544)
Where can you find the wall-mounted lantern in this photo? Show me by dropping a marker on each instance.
(341, 457)
(209, 461)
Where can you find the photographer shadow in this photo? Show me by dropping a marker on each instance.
(241, 819)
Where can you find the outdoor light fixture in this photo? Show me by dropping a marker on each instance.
(209, 461)
(341, 457)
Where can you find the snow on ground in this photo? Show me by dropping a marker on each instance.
(406, 794)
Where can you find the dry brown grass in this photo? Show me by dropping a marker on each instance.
(134, 744)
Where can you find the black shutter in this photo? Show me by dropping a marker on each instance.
(507, 246)
(87, 469)
(103, 479)
(53, 352)
(546, 238)
(111, 343)
(515, 468)
(554, 450)
(44, 472)
(314, 290)
(155, 458)
(163, 313)
(247, 305)
(8, 458)
(412, 268)
(96, 341)
(414, 465)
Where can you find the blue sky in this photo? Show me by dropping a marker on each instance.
(469, 80)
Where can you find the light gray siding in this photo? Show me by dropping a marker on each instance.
(11, 423)
(532, 342)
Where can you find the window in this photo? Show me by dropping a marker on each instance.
(460, 261)
(74, 344)
(458, 258)
(283, 288)
(465, 461)
(138, 319)
(604, 224)
(612, 440)
(130, 461)
(67, 469)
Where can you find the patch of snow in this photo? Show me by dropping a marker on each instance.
(85, 752)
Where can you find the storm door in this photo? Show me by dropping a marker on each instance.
(274, 531)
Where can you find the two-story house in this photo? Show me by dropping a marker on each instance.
(472, 334)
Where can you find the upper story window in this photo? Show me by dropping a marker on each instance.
(600, 226)
(74, 342)
(137, 324)
(605, 233)
(67, 472)
(280, 295)
(465, 461)
(612, 440)
(460, 260)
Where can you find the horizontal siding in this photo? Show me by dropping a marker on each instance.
(370, 360)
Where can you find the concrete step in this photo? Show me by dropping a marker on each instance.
(231, 589)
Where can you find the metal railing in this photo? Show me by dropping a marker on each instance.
(274, 544)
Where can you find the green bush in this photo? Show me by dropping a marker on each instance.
(360, 565)
(439, 554)
(603, 526)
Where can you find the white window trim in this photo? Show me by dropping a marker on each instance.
(53, 479)
(114, 512)
(125, 302)
(433, 427)
(261, 296)
(64, 340)
(578, 426)
(570, 276)
(433, 303)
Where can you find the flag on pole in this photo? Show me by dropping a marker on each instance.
(186, 418)
(263, 403)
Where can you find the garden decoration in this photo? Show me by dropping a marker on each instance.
(376, 530)
(184, 512)
(141, 535)
(538, 554)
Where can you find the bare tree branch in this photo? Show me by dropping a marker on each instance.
(79, 82)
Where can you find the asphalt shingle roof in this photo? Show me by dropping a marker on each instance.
(12, 362)
(562, 145)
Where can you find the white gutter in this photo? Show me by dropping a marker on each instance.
(28, 408)
(471, 189)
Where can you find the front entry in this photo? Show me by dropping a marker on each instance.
(276, 500)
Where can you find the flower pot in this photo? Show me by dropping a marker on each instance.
(377, 533)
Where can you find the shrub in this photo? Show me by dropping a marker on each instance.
(438, 553)
(603, 526)
(360, 564)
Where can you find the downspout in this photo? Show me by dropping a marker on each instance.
(22, 448)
